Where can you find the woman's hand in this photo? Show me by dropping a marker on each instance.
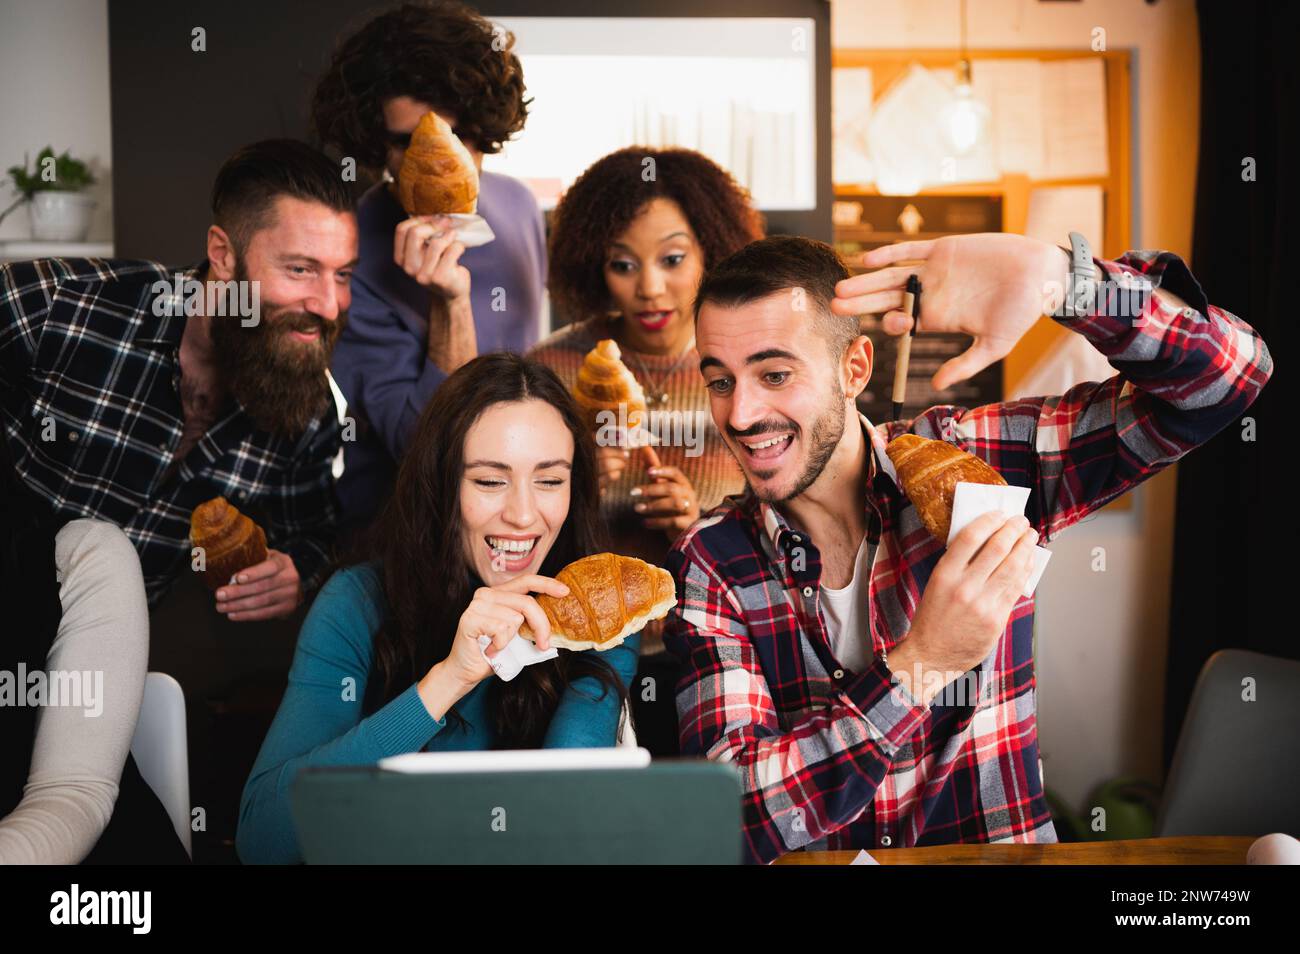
(425, 247)
(611, 462)
(497, 612)
(668, 502)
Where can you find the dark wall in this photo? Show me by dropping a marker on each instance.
(178, 113)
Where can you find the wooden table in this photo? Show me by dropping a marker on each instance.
(1191, 850)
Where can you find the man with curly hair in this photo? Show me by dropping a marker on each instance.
(417, 315)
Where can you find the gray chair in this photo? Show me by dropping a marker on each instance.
(1236, 770)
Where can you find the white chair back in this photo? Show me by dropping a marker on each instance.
(161, 750)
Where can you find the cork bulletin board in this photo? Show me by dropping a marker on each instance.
(999, 204)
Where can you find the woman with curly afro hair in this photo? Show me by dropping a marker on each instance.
(630, 240)
(423, 304)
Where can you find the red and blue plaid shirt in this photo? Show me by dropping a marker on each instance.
(835, 759)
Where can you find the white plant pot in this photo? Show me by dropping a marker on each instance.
(61, 216)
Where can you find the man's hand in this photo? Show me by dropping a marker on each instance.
(967, 601)
(425, 247)
(992, 287)
(266, 590)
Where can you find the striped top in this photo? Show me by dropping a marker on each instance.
(688, 439)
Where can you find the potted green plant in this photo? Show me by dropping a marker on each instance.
(59, 212)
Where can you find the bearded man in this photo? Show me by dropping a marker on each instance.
(131, 392)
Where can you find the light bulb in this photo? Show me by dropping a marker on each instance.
(963, 121)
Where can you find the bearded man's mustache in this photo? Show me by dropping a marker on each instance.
(306, 322)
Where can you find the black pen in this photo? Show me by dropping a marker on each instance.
(911, 305)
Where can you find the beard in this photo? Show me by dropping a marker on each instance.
(278, 379)
(823, 438)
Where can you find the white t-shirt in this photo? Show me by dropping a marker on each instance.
(845, 614)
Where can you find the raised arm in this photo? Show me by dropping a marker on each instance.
(388, 366)
(1185, 368)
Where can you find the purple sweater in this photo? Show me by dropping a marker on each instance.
(380, 362)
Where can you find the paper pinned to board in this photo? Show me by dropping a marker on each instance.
(1031, 132)
(1075, 141)
(907, 142)
(850, 115)
(1056, 211)
(1014, 95)
(971, 500)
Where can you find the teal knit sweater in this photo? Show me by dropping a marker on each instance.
(320, 722)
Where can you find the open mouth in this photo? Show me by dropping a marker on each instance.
(767, 447)
(511, 553)
(653, 320)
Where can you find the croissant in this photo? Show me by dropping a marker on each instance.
(438, 173)
(930, 471)
(604, 382)
(230, 541)
(610, 598)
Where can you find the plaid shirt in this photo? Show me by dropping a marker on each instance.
(86, 359)
(834, 759)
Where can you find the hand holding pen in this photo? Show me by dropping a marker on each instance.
(911, 306)
(990, 286)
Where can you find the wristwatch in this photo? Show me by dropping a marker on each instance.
(1081, 283)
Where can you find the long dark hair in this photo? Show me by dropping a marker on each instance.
(428, 579)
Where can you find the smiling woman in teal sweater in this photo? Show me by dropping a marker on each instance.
(496, 494)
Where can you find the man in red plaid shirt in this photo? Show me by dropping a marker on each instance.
(820, 627)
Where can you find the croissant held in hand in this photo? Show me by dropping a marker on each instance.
(438, 174)
(604, 382)
(610, 598)
(231, 541)
(930, 471)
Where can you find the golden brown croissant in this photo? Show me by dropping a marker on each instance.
(438, 173)
(231, 541)
(930, 471)
(610, 598)
(604, 382)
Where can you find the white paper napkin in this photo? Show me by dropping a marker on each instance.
(863, 858)
(471, 230)
(971, 500)
(519, 652)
